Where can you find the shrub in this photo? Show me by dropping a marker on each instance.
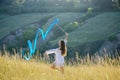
(112, 38)
(28, 34)
(71, 26)
(90, 9)
(75, 24)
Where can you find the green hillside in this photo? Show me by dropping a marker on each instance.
(96, 28)
(13, 22)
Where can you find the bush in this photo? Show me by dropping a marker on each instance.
(71, 26)
(112, 38)
(90, 9)
(28, 34)
(75, 24)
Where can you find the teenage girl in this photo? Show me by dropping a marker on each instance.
(60, 53)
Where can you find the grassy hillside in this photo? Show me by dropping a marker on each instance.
(96, 28)
(13, 22)
(2, 16)
(18, 69)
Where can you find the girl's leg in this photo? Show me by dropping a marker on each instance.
(62, 69)
(53, 66)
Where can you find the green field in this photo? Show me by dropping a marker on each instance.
(97, 28)
(13, 22)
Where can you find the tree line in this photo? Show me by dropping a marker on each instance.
(27, 6)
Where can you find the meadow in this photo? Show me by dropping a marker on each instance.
(88, 30)
(9, 23)
(96, 28)
(15, 68)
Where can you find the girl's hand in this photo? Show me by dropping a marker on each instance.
(66, 34)
(45, 54)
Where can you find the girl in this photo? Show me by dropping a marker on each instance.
(59, 55)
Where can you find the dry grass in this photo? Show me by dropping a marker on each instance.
(13, 68)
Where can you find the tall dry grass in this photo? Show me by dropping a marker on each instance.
(15, 68)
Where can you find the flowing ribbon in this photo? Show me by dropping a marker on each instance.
(44, 35)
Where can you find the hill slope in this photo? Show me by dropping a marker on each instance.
(97, 28)
(92, 29)
(10, 23)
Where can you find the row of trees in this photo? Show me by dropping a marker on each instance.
(22, 6)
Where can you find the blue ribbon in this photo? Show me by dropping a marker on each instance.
(32, 49)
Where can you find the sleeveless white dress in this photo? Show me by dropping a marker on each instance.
(59, 59)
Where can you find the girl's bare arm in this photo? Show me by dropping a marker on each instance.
(66, 37)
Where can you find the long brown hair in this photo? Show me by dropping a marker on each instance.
(63, 48)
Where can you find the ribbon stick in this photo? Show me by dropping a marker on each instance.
(60, 28)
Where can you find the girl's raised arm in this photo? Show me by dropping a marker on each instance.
(66, 37)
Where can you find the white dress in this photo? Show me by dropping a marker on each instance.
(59, 59)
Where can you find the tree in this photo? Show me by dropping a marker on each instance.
(117, 3)
(103, 4)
